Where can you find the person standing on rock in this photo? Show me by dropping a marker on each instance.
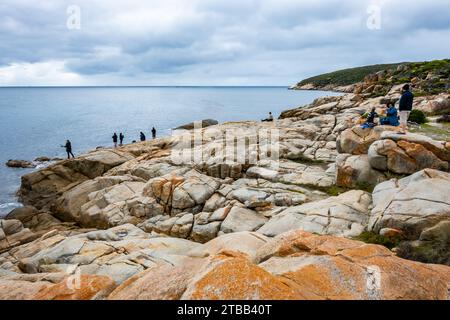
(121, 136)
(142, 136)
(114, 137)
(405, 107)
(153, 133)
(68, 147)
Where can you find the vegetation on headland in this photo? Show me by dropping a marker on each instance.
(427, 78)
(347, 76)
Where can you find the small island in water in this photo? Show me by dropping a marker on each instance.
(317, 206)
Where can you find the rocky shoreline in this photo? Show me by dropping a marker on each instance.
(132, 223)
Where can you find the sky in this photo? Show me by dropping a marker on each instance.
(211, 42)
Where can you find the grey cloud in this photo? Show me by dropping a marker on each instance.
(247, 41)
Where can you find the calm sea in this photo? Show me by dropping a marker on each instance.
(36, 121)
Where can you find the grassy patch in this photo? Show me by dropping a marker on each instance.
(335, 190)
(441, 132)
(331, 191)
(300, 158)
(425, 251)
(365, 186)
(392, 175)
(375, 238)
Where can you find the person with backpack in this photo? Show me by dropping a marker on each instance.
(370, 120)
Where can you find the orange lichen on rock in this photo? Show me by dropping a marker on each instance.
(84, 288)
(232, 276)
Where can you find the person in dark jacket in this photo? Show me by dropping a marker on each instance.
(153, 133)
(121, 136)
(405, 107)
(68, 147)
(370, 121)
(114, 137)
(142, 136)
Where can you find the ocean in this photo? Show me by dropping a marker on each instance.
(36, 121)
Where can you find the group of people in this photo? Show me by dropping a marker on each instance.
(116, 139)
(120, 138)
(392, 117)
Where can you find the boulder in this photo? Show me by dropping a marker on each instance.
(241, 219)
(403, 157)
(20, 164)
(41, 188)
(357, 140)
(42, 159)
(441, 149)
(293, 265)
(12, 234)
(120, 204)
(22, 213)
(12, 288)
(223, 276)
(411, 204)
(438, 105)
(179, 226)
(68, 206)
(356, 171)
(345, 215)
(205, 232)
(204, 123)
(244, 242)
(81, 287)
(118, 253)
(178, 194)
(327, 267)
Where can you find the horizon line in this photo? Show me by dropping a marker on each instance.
(150, 86)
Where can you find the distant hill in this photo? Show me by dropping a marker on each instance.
(427, 78)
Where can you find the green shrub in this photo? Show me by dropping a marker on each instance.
(425, 251)
(404, 80)
(417, 116)
(375, 238)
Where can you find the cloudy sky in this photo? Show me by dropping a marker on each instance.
(211, 42)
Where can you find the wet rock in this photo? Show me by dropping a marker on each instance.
(20, 164)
